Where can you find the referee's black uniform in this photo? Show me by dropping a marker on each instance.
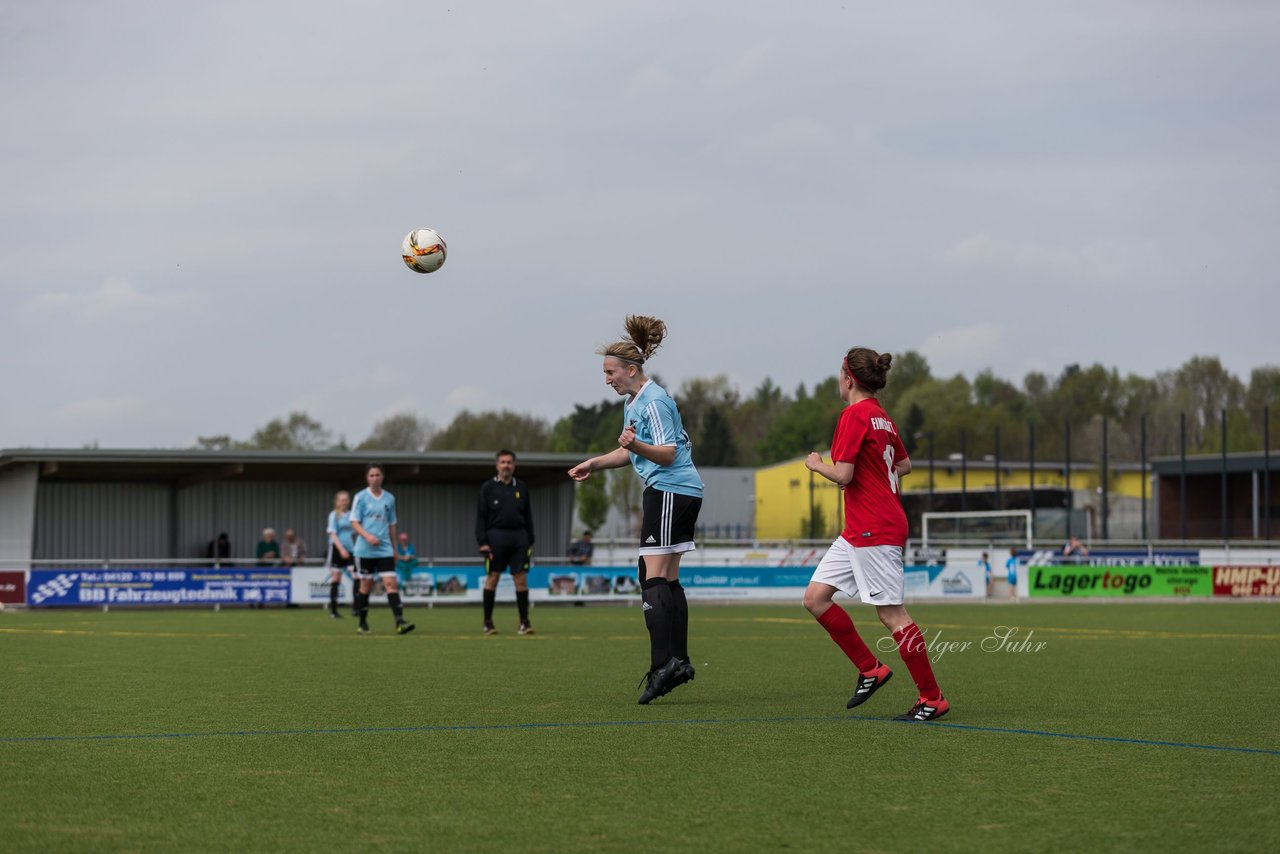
(504, 523)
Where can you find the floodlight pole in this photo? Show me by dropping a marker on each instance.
(1106, 515)
(1182, 473)
(1070, 498)
(1031, 475)
(1223, 479)
(999, 498)
(1142, 444)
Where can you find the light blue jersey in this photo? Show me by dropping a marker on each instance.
(656, 420)
(376, 515)
(340, 524)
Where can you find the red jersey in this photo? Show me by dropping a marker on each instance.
(873, 514)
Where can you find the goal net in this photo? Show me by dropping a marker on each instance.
(977, 527)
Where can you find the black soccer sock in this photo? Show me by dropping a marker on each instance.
(362, 605)
(656, 594)
(490, 596)
(333, 596)
(679, 622)
(393, 599)
(522, 605)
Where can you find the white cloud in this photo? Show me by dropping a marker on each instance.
(94, 412)
(1090, 263)
(115, 294)
(467, 397)
(964, 349)
(408, 403)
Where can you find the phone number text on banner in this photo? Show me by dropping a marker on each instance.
(162, 586)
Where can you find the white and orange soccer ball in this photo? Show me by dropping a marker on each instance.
(424, 250)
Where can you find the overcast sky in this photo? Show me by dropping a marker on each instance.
(202, 204)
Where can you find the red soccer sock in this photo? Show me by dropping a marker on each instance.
(837, 623)
(912, 648)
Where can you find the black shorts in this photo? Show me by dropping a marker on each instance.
(508, 550)
(335, 560)
(669, 522)
(369, 567)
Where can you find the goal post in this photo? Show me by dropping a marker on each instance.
(977, 527)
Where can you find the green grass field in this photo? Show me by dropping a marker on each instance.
(285, 731)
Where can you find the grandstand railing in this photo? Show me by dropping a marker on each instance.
(714, 552)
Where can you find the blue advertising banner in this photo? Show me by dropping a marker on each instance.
(1111, 557)
(157, 586)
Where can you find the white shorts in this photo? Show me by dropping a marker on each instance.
(873, 574)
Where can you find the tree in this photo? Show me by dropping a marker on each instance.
(299, 432)
(806, 425)
(625, 490)
(753, 418)
(592, 428)
(491, 431)
(909, 370)
(913, 424)
(593, 501)
(716, 446)
(402, 432)
(1264, 393)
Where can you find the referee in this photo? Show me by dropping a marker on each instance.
(504, 532)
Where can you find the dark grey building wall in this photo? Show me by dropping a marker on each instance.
(91, 521)
(137, 521)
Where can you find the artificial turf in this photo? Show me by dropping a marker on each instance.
(1132, 727)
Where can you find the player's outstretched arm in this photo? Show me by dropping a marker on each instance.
(615, 459)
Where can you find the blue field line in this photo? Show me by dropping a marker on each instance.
(600, 724)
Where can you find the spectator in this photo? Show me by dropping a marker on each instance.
(268, 548)
(580, 552)
(219, 550)
(295, 550)
(406, 559)
(984, 563)
(1075, 548)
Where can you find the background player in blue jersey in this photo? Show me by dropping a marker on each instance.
(373, 518)
(338, 558)
(654, 442)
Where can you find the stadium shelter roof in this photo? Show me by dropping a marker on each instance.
(194, 466)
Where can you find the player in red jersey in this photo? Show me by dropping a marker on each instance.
(867, 460)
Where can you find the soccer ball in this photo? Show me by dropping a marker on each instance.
(424, 250)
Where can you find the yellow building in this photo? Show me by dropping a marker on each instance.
(784, 491)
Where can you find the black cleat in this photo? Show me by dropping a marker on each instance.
(490, 628)
(362, 629)
(403, 628)
(684, 673)
(868, 684)
(334, 615)
(525, 629)
(659, 682)
(926, 710)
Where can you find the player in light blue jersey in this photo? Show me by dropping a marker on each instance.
(339, 557)
(373, 518)
(654, 442)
